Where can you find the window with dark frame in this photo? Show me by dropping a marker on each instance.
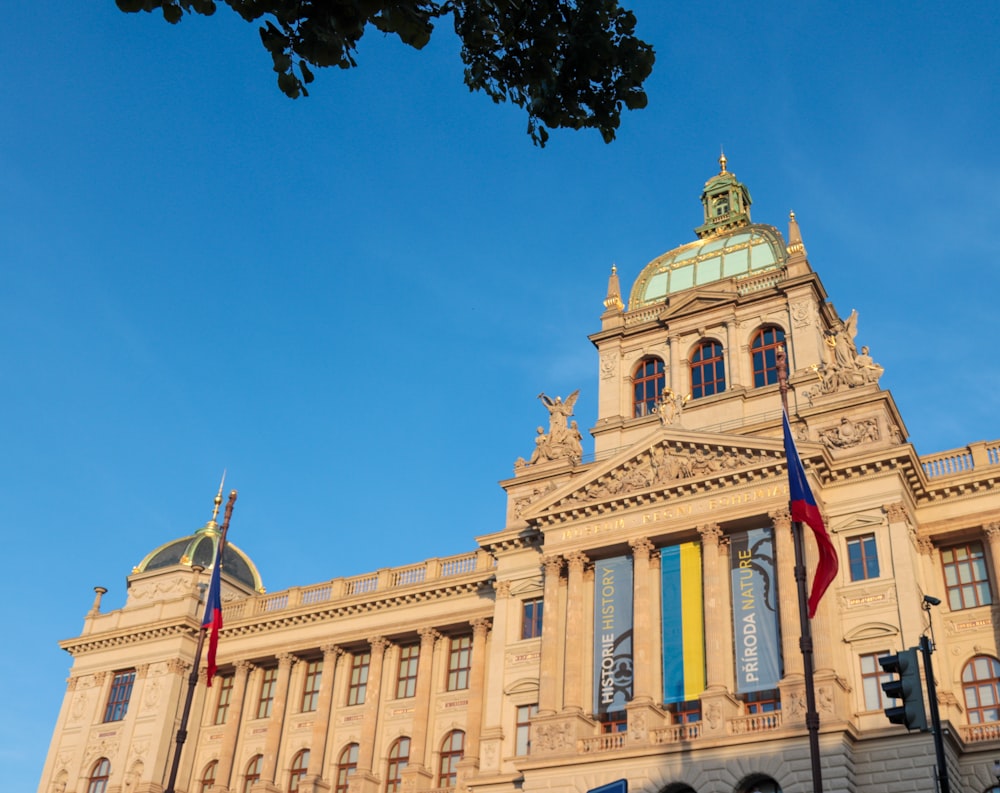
(762, 702)
(452, 750)
(225, 683)
(300, 764)
(966, 578)
(399, 758)
(120, 694)
(459, 662)
(347, 764)
(708, 370)
(310, 688)
(252, 776)
(763, 355)
(981, 688)
(688, 712)
(614, 722)
(98, 782)
(406, 682)
(862, 557)
(522, 729)
(648, 381)
(531, 619)
(359, 678)
(872, 678)
(268, 685)
(208, 777)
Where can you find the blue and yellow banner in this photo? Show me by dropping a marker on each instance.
(683, 622)
(755, 610)
(612, 634)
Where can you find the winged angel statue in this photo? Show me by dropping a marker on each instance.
(846, 367)
(563, 440)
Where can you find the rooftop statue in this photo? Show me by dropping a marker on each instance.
(845, 366)
(563, 440)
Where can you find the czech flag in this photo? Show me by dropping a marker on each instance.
(804, 509)
(212, 623)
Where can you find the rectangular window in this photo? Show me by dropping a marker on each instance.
(121, 692)
(359, 678)
(686, 712)
(522, 732)
(762, 702)
(310, 689)
(965, 576)
(406, 683)
(225, 696)
(268, 684)
(459, 662)
(872, 678)
(614, 722)
(862, 556)
(531, 619)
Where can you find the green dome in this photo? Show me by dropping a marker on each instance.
(200, 549)
(748, 250)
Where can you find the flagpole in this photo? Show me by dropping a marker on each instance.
(805, 628)
(193, 677)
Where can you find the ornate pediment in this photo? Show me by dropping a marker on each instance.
(857, 523)
(696, 302)
(667, 463)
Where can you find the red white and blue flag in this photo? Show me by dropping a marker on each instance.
(212, 623)
(803, 508)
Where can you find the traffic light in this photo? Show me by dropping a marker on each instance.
(907, 688)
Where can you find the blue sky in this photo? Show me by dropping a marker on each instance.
(351, 301)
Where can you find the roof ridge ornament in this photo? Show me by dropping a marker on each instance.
(725, 203)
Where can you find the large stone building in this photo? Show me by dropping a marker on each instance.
(635, 618)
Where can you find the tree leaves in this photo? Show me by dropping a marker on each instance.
(568, 63)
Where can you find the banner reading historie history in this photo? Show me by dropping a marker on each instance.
(755, 611)
(683, 622)
(612, 634)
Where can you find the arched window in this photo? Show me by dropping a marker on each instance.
(399, 758)
(252, 775)
(99, 776)
(648, 380)
(347, 764)
(981, 685)
(452, 751)
(763, 349)
(208, 776)
(300, 764)
(708, 370)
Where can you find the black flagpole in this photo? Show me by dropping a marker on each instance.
(805, 628)
(193, 677)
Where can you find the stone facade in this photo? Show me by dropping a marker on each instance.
(478, 671)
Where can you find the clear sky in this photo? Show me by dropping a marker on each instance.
(351, 301)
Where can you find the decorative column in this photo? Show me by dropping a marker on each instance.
(788, 595)
(734, 355)
(234, 718)
(506, 610)
(992, 531)
(548, 683)
(646, 656)
(718, 703)
(416, 775)
(676, 384)
(469, 764)
(369, 725)
(314, 782)
(277, 720)
(576, 658)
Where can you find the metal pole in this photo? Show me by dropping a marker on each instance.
(193, 677)
(942, 768)
(805, 629)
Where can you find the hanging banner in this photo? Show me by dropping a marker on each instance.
(755, 610)
(612, 634)
(683, 622)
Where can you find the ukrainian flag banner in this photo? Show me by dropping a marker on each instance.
(755, 610)
(683, 622)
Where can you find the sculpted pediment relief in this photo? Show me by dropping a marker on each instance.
(676, 463)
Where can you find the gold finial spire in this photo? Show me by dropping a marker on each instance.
(613, 302)
(218, 498)
(722, 160)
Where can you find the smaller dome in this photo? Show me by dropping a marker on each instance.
(746, 251)
(200, 549)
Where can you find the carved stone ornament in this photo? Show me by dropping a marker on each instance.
(563, 441)
(609, 365)
(150, 589)
(845, 367)
(502, 588)
(895, 512)
(850, 433)
(802, 313)
(523, 502)
(553, 736)
(664, 463)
